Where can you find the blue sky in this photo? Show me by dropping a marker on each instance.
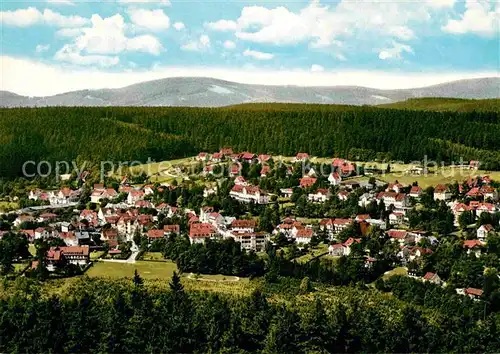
(374, 43)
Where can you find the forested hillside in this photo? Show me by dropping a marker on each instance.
(99, 316)
(136, 133)
(446, 104)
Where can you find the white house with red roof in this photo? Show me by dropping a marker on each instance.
(398, 200)
(304, 235)
(489, 192)
(249, 194)
(485, 208)
(483, 231)
(394, 187)
(301, 157)
(264, 158)
(306, 182)
(251, 240)
(102, 193)
(334, 226)
(203, 156)
(200, 232)
(234, 170)
(432, 278)
(240, 181)
(247, 156)
(396, 218)
(334, 179)
(342, 249)
(397, 235)
(442, 192)
(216, 157)
(265, 171)
(473, 246)
(243, 225)
(320, 196)
(415, 192)
(134, 196)
(473, 293)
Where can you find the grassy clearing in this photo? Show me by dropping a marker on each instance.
(153, 256)
(442, 176)
(321, 248)
(214, 277)
(147, 270)
(8, 206)
(32, 249)
(96, 255)
(395, 271)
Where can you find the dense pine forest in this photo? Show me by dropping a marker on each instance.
(129, 316)
(136, 133)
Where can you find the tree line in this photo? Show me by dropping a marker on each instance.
(136, 133)
(130, 317)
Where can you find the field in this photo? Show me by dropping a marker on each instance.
(96, 255)
(147, 270)
(442, 176)
(150, 271)
(156, 256)
(32, 249)
(8, 206)
(395, 271)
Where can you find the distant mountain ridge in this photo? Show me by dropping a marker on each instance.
(208, 92)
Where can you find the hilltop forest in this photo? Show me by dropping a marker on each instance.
(136, 133)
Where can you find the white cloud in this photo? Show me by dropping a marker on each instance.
(93, 45)
(201, 44)
(32, 16)
(317, 68)
(69, 32)
(71, 55)
(229, 44)
(258, 55)
(106, 36)
(402, 32)
(42, 48)
(154, 20)
(156, 2)
(323, 25)
(61, 2)
(28, 77)
(479, 18)
(179, 26)
(222, 25)
(395, 52)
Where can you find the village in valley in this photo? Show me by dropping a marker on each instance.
(307, 208)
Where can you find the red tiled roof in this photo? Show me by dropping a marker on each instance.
(201, 230)
(429, 275)
(171, 228)
(473, 291)
(247, 155)
(307, 181)
(243, 223)
(397, 234)
(472, 244)
(342, 221)
(155, 233)
(351, 240)
(304, 233)
(55, 253)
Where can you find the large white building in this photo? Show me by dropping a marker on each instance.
(249, 194)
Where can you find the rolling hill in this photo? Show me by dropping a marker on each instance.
(208, 92)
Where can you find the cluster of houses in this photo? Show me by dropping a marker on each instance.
(61, 197)
(119, 221)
